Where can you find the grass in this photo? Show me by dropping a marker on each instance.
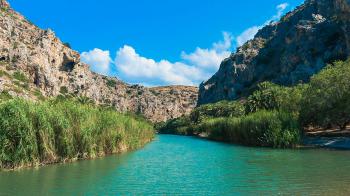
(39, 95)
(4, 96)
(4, 73)
(20, 76)
(54, 131)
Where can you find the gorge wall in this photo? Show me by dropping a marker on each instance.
(35, 64)
(286, 52)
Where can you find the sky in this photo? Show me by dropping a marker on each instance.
(154, 42)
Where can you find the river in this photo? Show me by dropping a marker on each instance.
(174, 165)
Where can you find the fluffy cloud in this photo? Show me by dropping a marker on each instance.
(98, 60)
(193, 68)
(136, 68)
(210, 59)
(249, 33)
(130, 66)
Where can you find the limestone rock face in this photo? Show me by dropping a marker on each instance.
(51, 68)
(287, 52)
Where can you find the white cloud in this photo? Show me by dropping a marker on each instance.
(210, 59)
(249, 33)
(98, 59)
(280, 9)
(134, 67)
(193, 68)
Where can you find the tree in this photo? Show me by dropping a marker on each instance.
(326, 101)
(269, 96)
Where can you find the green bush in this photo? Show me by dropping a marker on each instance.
(326, 101)
(58, 131)
(39, 95)
(264, 128)
(5, 95)
(270, 96)
(63, 90)
(179, 126)
(220, 109)
(20, 76)
(111, 83)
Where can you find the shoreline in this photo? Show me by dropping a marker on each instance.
(72, 160)
(308, 142)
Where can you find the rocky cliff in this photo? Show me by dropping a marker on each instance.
(35, 64)
(287, 52)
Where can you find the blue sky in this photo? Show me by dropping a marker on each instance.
(154, 42)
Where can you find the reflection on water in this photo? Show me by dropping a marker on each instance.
(184, 165)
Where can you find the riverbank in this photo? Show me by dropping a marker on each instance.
(67, 130)
(341, 143)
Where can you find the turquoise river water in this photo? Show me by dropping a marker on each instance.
(175, 165)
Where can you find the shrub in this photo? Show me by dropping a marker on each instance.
(111, 83)
(179, 126)
(264, 128)
(268, 97)
(20, 76)
(5, 95)
(220, 109)
(271, 96)
(39, 95)
(326, 101)
(63, 90)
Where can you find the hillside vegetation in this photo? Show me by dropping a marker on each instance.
(273, 115)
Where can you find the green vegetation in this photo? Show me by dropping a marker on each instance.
(39, 95)
(220, 109)
(111, 83)
(63, 90)
(20, 76)
(64, 130)
(4, 96)
(273, 115)
(326, 101)
(4, 73)
(263, 128)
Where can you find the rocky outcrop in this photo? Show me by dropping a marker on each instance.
(287, 52)
(34, 64)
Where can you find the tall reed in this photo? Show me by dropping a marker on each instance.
(58, 131)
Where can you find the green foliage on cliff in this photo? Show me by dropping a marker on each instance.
(20, 76)
(59, 131)
(111, 83)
